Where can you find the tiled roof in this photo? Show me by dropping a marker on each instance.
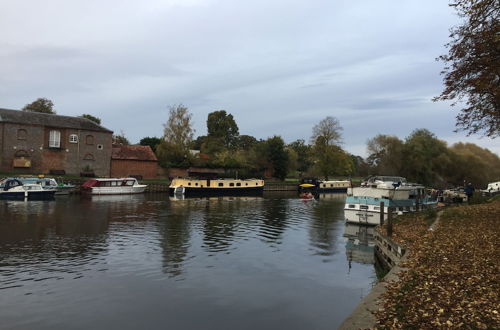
(133, 153)
(45, 119)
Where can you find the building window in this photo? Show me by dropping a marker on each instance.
(89, 139)
(54, 139)
(89, 157)
(73, 138)
(21, 134)
(100, 147)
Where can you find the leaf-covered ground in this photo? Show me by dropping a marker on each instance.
(453, 276)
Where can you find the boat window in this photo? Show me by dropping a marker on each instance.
(238, 184)
(256, 183)
(401, 209)
(114, 183)
(221, 184)
(231, 184)
(331, 185)
(196, 183)
(376, 207)
(246, 184)
(363, 207)
(189, 183)
(351, 206)
(130, 182)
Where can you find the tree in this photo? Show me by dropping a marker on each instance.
(385, 154)
(330, 131)
(152, 142)
(303, 152)
(329, 158)
(272, 152)
(425, 157)
(42, 105)
(472, 72)
(120, 139)
(90, 117)
(246, 142)
(222, 127)
(178, 134)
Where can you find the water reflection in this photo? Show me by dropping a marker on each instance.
(250, 262)
(360, 243)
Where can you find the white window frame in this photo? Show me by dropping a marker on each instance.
(73, 138)
(54, 139)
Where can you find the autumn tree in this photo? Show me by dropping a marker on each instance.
(472, 71)
(93, 118)
(222, 129)
(177, 137)
(42, 105)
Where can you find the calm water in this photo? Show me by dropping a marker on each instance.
(148, 262)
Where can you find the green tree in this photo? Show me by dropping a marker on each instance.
(274, 156)
(246, 142)
(425, 157)
(385, 154)
(222, 128)
(153, 142)
(304, 155)
(90, 117)
(472, 72)
(42, 105)
(178, 133)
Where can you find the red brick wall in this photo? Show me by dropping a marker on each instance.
(125, 168)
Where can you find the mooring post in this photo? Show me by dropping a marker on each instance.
(389, 221)
(381, 213)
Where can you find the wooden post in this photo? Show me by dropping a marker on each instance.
(381, 213)
(389, 221)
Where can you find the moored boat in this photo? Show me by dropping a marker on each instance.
(49, 184)
(363, 204)
(14, 189)
(216, 187)
(113, 186)
(324, 186)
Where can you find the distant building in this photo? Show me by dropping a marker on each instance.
(136, 161)
(32, 142)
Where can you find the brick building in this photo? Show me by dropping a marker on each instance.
(32, 142)
(136, 161)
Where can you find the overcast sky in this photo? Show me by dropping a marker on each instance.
(278, 66)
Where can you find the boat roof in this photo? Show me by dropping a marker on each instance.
(113, 179)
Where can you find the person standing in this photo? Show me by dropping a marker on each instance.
(469, 191)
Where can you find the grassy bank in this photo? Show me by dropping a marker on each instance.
(453, 276)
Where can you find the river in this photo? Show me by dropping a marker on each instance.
(150, 261)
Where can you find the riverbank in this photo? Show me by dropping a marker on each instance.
(451, 277)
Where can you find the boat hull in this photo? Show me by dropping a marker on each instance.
(29, 195)
(138, 189)
(207, 191)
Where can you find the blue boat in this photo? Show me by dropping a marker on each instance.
(363, 203)
(15, 189)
